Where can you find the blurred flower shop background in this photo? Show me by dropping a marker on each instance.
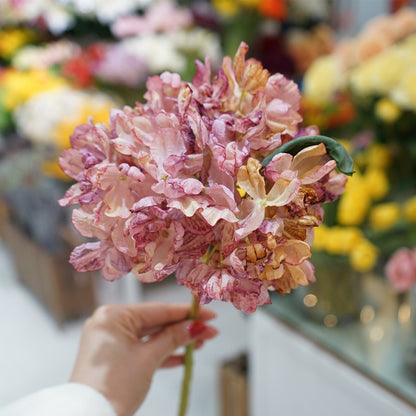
(63, 62)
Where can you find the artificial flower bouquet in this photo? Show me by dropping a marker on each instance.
(212, 181)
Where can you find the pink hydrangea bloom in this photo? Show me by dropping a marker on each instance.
(175, 185)
(401, 269)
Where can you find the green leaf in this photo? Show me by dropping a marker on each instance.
(334, 149)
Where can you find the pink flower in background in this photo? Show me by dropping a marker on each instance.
(401, 269)
(160, 17)
(175, 185)
(118, 67)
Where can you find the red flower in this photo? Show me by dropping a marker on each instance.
(79, 71)
(276, 9)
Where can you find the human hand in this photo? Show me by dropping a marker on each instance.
(123, 345)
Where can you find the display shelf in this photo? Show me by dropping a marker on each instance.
(374, 344)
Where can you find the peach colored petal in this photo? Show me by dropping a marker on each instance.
(282, 192)
(297, 275)
(250, 180)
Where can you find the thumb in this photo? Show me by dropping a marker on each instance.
(165, 342)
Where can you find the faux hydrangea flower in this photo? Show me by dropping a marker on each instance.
(175, 185)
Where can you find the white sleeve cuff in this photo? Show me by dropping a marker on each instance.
(70, 399)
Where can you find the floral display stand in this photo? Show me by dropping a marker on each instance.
(64, 292)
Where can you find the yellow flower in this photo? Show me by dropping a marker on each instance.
(384, 216)
(322, 80)
(352, 210)
(377, 183)
(351, 236)
(405, 92)
(409, 209)
(226, 8)
(387, 110)
(347, 144)
(379, 74)
(355, 202)
(321, 236)
(52, 168)
(13, 39)
(253, 4)
(17, 86)
(378, 156)
(64, 129)
(334, 243)
(364, 256)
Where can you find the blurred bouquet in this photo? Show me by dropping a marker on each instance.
(58, 16)
(286, 35)
(384, 93)
(337, 83)
(370, 210)
(374, 75)
(160, 36)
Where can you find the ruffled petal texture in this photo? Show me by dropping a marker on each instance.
(175, 186)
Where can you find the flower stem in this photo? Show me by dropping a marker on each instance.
(193, 314)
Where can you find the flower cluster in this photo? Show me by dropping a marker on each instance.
(60, 15)
(19, 86)
(401, 269)
(57, 112)
(389, 75)
(349, 242)
(353, 59)
(175, 185)
(164, 37)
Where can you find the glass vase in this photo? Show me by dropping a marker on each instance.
(336, 296)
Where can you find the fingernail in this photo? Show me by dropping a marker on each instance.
(196, 328)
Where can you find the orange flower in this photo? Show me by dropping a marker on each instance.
(275, 9)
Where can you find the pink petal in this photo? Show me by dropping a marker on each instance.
(252, 214)
(213, 214)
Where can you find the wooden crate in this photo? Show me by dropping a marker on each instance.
(234, 387)
(64, 292)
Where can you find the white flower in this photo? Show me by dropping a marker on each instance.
(106, 11)
(199, 42)
(39, 116)
(157, 50)
(42, 57)
(57, 17)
